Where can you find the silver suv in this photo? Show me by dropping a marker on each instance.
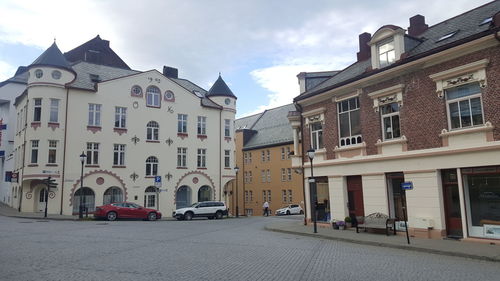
(209, 209)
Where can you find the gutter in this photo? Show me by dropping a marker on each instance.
(64, 151)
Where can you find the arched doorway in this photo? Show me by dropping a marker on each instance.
(112, 195)
(204, 193)
(150, 197)
(88, 196)
(183, 197)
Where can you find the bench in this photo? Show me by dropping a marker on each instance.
(376, 221)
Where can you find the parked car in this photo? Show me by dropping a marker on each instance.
(126, 210)
(292, 209)
(209, 209)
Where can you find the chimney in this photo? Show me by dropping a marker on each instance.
(417, 25)
(364, 49)
(302, 82)
(170, 72)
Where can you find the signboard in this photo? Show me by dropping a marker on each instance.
(158, 181)
(407, 185)
(13, 177)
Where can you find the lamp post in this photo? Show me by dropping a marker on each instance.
(236, 169)
(82, 160)
(312, 190)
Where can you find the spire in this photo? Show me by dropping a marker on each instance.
(52, 57)
(220, 88)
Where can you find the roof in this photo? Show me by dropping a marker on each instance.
(192, 87)
(271, 126)
(467, 24)
(52, 57)
(96, 51)
(85, 69)
(220, 88)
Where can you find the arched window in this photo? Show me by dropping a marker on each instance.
(204, 193)
(152, 131)
(151, 166)
(150, 197)
(112, 195)
(87, 196)
(153, 95)
(183, 197)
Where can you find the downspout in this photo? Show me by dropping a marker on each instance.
(64, 151)
(24, 151)
(220, 153)
(243, 181)
(299, 108)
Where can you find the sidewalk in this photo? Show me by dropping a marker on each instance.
(471, 250)
(11, 212)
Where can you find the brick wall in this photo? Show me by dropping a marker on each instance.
(423, 115)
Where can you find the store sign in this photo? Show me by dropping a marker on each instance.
(407, 185)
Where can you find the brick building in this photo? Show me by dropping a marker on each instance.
(418, 105)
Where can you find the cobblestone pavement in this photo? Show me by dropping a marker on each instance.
(229, 249)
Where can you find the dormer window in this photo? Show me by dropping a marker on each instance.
(386, 52)
(486, 20)
(446, 36)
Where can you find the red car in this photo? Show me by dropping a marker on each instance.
(126, 210)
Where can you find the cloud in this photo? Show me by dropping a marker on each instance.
(6, 70)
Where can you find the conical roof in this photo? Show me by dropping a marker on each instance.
(220, 88)
(52, 57)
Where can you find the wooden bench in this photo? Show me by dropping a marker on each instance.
(376, 221)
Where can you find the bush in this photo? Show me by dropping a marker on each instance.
(348, 219)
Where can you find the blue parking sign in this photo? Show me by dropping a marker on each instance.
(407, 185)
(158, 179)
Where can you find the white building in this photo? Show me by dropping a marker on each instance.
(132, 126)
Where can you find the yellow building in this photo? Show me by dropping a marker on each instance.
(264, 143)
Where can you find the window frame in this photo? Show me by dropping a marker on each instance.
(348, 112)
(92, 153)
(202, 125)
(120, 117)
(119, 154)
(457, 101)
(382, 43)
(34, 151)
(316, 136)
(227, 158)
(152, 165)
(52, 152)
(94, 116)
(202, 158)
(37, 110)
(152, 131)
(227, 128)
(182, 157)
(390, 116)
(182, 120)
(153, 98)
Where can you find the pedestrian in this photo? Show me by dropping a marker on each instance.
(266, 208)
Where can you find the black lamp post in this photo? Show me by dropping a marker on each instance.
(236, 169)
(80, 213)
(312, 191)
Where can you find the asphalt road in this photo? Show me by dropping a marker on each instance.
(229, 249)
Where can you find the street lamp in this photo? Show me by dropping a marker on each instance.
(312, 190)
(82, 159)
(236, 169)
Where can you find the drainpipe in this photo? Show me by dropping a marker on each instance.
(24, 151)
(299, 108)
(220, 153)
(64, 151)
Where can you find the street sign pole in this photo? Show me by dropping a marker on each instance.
(51, 183)
(158, 185)
(406, 186)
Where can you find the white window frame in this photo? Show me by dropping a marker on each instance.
(250, 177)
(54, 111)
(227, 128)
(288, 152)
(202, 125)
(390, 116)
(289, 173)
(202, 158)
(283, 153)
(52, 151)
(34, 151)
(458, 100)
(352, 139)
(283, 195)
(153, 96)
(268, 175)
(263, 156)
(182, 157)
(268, 158)
(227, 158)
(316, 136)
(92, 153)
(263, 176)
(283, 174)
(152, 166)
(386, 53)
(119, 155)
(290, 196)
(152, 131)
(94, 115)
(120, 117)
(182, 123)
(36, 107)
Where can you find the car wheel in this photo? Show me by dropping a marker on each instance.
(288, 212)
(210, 217)
(218, 215)
(178, 218)
(301, 212)
(188, 216)
(111, 216)
(152, 216)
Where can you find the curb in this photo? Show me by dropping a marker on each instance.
(387, 245)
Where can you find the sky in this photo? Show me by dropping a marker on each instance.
(258, 46)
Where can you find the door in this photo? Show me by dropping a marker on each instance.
(42, 197)
(452, 204)
(355, 196)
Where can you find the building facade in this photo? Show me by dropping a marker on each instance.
(264, 145)
(418, 107)
(146, 137)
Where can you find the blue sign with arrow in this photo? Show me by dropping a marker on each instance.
(407, 185)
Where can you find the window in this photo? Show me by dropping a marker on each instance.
(34, 151)
(38, 73)
(283, 153)
(283, 174)
(464, 106)
(250, 176)
(289, 173)
(448, 35)
(269, 196)
(268, 155)
(119, 155)
(202, 125)
(263, 175)
(120, 117)
(263, 156)
(290, 197)
(92, 153)
(94, 114)
(246, 195)
(151, 166)
(317, 135)
(268, 175)
(181, 157)
(264, 195)
(390, 121)
(249, 157)
(152, 131)
(251, 196)
(56, 74)
(287, 152)
(245, 157)
(283, 195)
(227, 127)
(54, 111)
(52, 151)
(202, 157)
(136, 91)
(349, 122)
(386, 52)
(153, 96)
(37, 110)
(227, 158)
(181, 123)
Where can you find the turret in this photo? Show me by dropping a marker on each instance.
(51, 69)
(222, 95)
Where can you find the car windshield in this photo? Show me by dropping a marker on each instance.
(194, 204)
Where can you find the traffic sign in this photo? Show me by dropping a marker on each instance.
(407, 185)
(158, 181)
(51, 183)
